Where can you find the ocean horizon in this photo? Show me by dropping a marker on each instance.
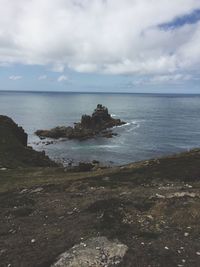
(157, 124)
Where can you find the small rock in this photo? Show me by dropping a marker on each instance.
(37, 190)
(166, 248)
(198, 253)
(2, 251)
(25, 190)
(33, 240)
(160, 196)
(186, 234)
(106, 179)
(103, 257)
(188, 186)
(182, 194)
(150, 217)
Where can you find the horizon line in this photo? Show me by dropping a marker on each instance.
(97, 92)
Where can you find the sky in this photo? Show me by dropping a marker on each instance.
(100, 45)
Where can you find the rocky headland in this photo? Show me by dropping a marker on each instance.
(14, 150)
(99, 124)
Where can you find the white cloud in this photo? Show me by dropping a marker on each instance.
(176, 78)
(173, 78)
(58, 67)
(15, 78)
(62, 78)
(115, 36)
(42, 77)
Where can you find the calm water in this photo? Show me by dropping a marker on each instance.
(157, 124)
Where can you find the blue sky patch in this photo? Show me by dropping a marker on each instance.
(191, 18)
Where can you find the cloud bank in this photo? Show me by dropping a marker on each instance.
(62, 78)
(15, 78)
(102, 36)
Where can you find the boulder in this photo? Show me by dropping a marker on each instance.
(96, 251)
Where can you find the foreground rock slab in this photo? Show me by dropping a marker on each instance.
(99, 124)
(96, 252)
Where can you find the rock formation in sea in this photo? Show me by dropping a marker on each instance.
(14, 151)
(99, 124)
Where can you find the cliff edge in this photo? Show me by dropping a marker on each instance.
(14, 151)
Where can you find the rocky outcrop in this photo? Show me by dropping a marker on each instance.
(14, 151)
(97, 251)
(99, 124)
(18, 132)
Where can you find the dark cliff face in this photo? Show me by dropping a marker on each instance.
(89, 126)
(7, 124)
(14, 151)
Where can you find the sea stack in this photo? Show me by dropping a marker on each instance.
(98, 124)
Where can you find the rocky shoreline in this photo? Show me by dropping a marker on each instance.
(99, 124)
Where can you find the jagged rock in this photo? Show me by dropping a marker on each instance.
(6, 122)
(88, 127)
(14, 151)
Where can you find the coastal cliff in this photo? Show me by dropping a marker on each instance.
(14, 151)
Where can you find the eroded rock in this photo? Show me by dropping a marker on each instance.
(19, 133)
(14, 151)
(95, 252)
(90, 126)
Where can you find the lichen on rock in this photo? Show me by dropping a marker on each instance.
(95, 252)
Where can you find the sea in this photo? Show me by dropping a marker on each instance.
(157, 124)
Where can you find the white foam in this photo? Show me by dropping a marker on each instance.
(134, 124)
(94, 147)
(123, 125)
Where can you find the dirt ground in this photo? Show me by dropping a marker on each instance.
(153, 207)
